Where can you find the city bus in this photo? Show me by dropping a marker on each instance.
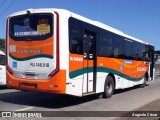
(61, 52)
(2, 69)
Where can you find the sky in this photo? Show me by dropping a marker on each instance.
(137, 18)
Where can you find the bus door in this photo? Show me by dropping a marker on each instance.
(89, 64)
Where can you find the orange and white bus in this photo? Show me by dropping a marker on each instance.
(58, 51)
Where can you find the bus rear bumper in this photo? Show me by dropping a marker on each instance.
(57, 84)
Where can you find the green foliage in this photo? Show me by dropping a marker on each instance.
(2, 44)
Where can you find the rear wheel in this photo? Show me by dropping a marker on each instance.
(108, 87)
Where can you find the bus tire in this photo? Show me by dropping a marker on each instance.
(144, 82)
(108, 87)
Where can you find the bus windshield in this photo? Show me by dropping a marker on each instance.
(31, 26)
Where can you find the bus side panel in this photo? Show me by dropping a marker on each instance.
(100, 81)
(76, 73)
(127, 73)
(76, 86)
(57, 84)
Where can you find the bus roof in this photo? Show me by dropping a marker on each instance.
(96, 23)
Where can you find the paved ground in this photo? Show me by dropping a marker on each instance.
(123, 100)
(153, 106)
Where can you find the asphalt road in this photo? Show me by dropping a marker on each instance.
(123, 100)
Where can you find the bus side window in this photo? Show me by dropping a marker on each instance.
(118, 47)
(147, 53)
(76, 42)
(128, 49)
(116, 52)
(143, 55)
(140, 51)
(105, 47)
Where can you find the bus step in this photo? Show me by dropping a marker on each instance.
(89, 93)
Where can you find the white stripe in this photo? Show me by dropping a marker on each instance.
(24, 109)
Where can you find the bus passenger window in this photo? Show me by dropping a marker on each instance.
(105, 47)
(116, 52)
(118, 47)
(140, 51)
(147, 55)
(128, 49)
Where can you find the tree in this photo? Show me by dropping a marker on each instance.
(2, 44)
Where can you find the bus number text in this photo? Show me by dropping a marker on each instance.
(39, 64)
(76, 59)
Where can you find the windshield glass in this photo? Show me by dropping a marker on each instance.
(31, 26)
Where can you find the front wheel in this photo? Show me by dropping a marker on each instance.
(144, 82)
(108, 87)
